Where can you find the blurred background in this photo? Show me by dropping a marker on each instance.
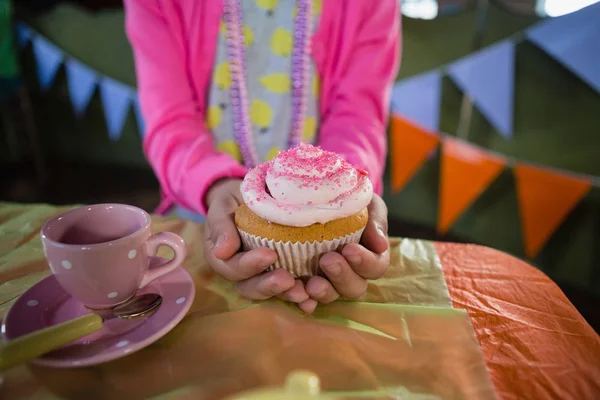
(71, 132)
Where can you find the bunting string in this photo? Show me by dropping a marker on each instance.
(511, 161)
(546, 195)
(82, 82)
(487, 75)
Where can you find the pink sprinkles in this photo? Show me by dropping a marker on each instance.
(332, 169)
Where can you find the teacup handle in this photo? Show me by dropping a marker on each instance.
(176, 243)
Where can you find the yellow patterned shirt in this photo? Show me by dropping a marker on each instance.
(268, 39)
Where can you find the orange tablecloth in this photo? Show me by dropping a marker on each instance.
(535, 343)
(402, 336)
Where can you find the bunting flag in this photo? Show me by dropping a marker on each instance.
(23, 34)
(48, 59)
(81, 81)
(466, 171)
(546, 198)
(574, 41)
(418, 99)
(487, 77)
(116, 99)
(411, 145)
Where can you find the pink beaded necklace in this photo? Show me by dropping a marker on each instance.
(242, 127)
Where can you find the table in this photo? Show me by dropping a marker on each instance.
(511, 329)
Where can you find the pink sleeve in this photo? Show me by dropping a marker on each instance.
(177, 143)
(354, 122)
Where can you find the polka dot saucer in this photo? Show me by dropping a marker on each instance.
(46, 304)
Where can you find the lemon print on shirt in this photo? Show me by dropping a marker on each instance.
(310, 129)
(268, 5)
(281, 42)
(276, 83)
(316, 8)
(230, 147)
(272, 153)
(222, 76)
(223, 29)
(261, 114)
(213, 117)
(248, 33)
(248, 36)
(316, 86)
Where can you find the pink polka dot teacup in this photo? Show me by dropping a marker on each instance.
(100, 254)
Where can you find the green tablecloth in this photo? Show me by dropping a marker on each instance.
(403, 335)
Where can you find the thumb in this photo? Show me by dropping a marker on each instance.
(221, 229)
(375, 235)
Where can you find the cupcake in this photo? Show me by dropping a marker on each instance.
(302, 204)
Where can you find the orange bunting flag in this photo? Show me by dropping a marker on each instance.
(466, 171)
(410, 147)
(545, 200)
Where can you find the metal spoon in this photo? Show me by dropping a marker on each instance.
(38, 343)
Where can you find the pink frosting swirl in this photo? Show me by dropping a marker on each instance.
(306, 185)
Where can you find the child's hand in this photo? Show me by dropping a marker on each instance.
(222, 243)
(348, 272)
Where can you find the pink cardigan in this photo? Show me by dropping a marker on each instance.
(356, 51)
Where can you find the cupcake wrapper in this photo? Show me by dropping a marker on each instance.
(300, 259)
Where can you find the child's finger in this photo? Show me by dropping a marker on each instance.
(343, 278)
(366, 263)
(267, 285)
(308, 306)
(222, 242)
(220, 228)
(321, 290)
(297, 294)
(243, 265)
(375, 235)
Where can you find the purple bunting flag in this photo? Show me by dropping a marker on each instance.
(418, 99)
(574, 41)
(23, 33)
(81, 81)
(48, 58)
(116, 99)
(488, 78)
